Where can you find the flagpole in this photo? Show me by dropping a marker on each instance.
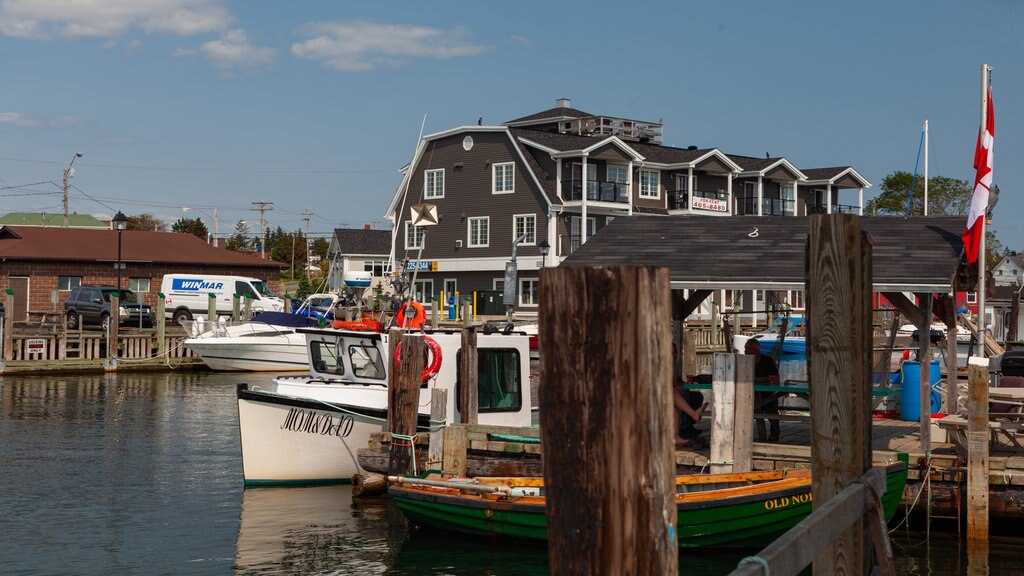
(982, 329)
(925, 166)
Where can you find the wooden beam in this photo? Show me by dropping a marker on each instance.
(732, 434)
(689, 353)
(908, 309)
(683, 306)
(438, 416)
(607, 426)
(455, 445)
(925, 383)
(948, 314)
(839, 364)
(469, 396)
(403, 400)
(977, 449)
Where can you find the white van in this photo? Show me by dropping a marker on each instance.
(187, 295)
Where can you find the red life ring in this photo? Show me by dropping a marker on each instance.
(416, 321)
(435, 358)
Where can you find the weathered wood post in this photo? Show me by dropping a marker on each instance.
(952, 379)
(732, 429)
(438, 422)
(606, 427)
(9, 325)
(113, 333)
(161, 323)
(838, 264)
(236, 307)
(469, 396)
(977, 449)
(689, 353)
(924, 340)
(467, 313)
(714, 323)
(403, 399)
(211, 310)
(435, 306)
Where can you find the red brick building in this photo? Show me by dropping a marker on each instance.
(37, 262)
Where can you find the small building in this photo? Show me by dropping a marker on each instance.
(359, 250)
(42, 265)
(47, 220)
(1009, 271)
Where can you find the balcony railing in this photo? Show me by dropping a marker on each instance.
(836, 209)
(747, 205)
(597, 191)
(679, 200)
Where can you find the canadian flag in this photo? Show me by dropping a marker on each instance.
(982, 183)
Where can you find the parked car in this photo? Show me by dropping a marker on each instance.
(91, 305)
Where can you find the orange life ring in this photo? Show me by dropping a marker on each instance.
(435, 358)
(416, 321)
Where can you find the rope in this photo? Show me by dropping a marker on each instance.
(713, 463)
(408, 441)
(759, 561)
(927, 476)
(914, 181)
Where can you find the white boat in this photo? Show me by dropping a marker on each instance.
(268, 343)
(305, 430)
(793, 345)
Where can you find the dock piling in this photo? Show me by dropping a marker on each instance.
(977, 450)
(732, 432)
(403, 399)
(469, 401)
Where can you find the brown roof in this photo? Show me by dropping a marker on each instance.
(569, 142)
(553, 113)
(32, 243)
(824, 173)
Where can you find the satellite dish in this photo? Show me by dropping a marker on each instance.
(423, 214)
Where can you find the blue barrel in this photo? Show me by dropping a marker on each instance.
(910, 393)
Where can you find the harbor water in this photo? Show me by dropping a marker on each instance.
(141, 474)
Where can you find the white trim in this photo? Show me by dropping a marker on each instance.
(800, 175)
(845, 171)
(469, 232)
(426, 178)
(540, 147)
(444, 286)
(537, 121)
(494, 177)
(520, 292)
(640, 188)
(494, 282)
(514, 231)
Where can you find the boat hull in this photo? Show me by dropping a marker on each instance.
(733, 522)
(284, 353)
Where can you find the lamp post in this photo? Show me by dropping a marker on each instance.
(120, 222)
(69, 172)
(544, 248)
(511, 289)
(216, 231)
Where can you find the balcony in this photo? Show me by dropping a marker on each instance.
(747, 206)
(704, 201)
(836, 209)
(597, 191)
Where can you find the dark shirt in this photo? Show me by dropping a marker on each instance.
(765, 367)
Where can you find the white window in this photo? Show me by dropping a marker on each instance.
(529, 292)
(788, 199)
(423, 291)
(525, 224)
(433, 183)
(377, 267)
(650, 184)
(972, 297)
(138, 285)
(618, 174)
(479, 232)
(451, 286)
(68, 283)
(413, 236)
(498, 283)
(504, 178)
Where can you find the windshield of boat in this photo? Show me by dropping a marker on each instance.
(318, 302)
(323, 358)
(261, 287)
(126, 295)
(366, 361)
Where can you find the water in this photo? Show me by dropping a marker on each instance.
(141, 474)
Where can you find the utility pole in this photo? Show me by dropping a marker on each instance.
(305, 216)
(263, 206)
(68, 173)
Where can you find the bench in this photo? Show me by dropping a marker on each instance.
(1005, 423)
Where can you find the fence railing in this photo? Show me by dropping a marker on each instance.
(77, 345)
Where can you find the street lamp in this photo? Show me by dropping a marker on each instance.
(69, 172)
(120, 222)
(215, 221)
(544, 248)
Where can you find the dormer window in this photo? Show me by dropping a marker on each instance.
(433, 183)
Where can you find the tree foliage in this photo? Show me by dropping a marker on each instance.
(947, 196)
(146, 222)
(192, 226)
(240, 240)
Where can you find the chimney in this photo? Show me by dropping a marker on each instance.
(563, 103)
(691, 147)
(367, 227)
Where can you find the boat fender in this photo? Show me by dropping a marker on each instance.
(413, 321)
(435, 358)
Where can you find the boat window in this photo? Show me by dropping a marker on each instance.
(499, 380)
(323, 358)
(366, 362)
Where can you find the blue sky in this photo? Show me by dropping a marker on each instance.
(316, 105)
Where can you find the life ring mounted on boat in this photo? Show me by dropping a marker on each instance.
(414, 321)
(435, 358)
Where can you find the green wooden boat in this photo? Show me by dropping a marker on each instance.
(714, 510)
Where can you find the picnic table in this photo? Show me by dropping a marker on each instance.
(1007, 424)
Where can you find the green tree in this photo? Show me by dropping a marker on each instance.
(146, 222)
(192, 226)
(240, 241)
(947, 196)
(305, 288)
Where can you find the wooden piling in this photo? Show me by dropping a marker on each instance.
(438, 416)
(236, 307)
(732, 432)
(606, 426)
(689, 353)
(977, 449)
(924, 339)
(9, 326)
(115, 326)
(469, 396)
(161, 323)
(211, 310)
(839, 368)
(951, 399)
(403, 400)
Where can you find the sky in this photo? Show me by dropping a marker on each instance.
(316, 105)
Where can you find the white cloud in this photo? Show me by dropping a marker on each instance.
(182, 52)
(15, 119)
(357, 45)
(233, 50)
(50, 19)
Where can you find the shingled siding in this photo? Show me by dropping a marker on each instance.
(467, 194)
(43, 277)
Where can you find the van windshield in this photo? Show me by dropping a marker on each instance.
(126, 295)
(262, 288)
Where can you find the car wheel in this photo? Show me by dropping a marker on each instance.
(105, 322)
(182, 316)
(72, 320)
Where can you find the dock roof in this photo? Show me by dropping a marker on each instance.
(917, 254)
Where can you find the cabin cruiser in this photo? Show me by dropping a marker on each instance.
(267, 343)
(307, 429)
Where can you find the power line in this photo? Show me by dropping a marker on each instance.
(262, 206)
(210, 170)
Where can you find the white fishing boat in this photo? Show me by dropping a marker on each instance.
(267, 343)
(305, 430)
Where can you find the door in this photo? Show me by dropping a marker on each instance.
(575, 231)
(577, 181)
(20, 286)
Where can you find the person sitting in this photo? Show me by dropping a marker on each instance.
(689, 405)
(765, 372)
